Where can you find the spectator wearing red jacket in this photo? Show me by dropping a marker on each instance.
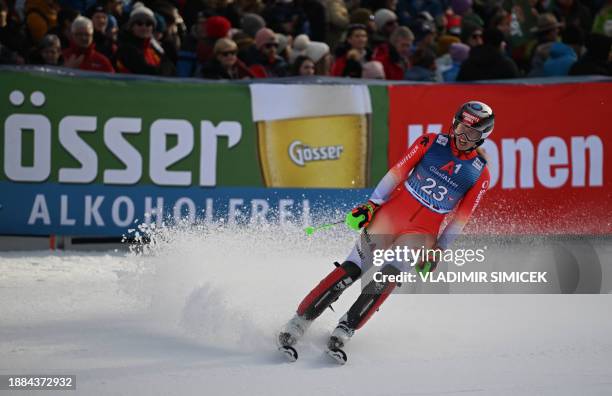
(82, 52)
(395, 55)
(356, 45)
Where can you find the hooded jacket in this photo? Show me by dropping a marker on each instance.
(560, 60)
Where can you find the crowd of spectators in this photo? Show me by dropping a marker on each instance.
(435, 40)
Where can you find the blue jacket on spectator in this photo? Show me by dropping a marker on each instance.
(451, 74)
(419, 73)
(560, 60)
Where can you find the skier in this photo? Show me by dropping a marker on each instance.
(437, 173)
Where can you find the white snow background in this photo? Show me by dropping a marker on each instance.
(197, 313)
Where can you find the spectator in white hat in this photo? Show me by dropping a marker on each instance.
(317, 51)
(386, 22)
(138, 51)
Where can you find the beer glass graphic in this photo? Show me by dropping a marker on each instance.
(313, 136)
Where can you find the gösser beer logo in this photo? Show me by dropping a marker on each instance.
(301, 153)
(112, 131)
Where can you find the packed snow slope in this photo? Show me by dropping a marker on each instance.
(196, 314)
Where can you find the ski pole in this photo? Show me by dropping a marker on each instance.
(311, 229)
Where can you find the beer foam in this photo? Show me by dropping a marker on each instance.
(272, 102)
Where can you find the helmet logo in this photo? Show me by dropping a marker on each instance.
(469, 119)
(476, 106)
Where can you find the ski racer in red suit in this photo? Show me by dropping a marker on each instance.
(438, 174)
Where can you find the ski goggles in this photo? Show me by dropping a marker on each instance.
(471, 134)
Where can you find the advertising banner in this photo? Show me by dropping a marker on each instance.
(546, 156)
(87, 155)
(113, 132)
(316, 136)
(99, 210)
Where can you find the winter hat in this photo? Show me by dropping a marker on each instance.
(140, 12)
(373, 70)
(282, 41)
(265, 36)
(217, 27)
(459, 52)
(316, 50)
(302, 45)
(382, 16)
(460, 6)
(251, 23)
(361, 16)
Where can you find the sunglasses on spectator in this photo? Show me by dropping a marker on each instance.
(227, 53)
(271, 45)
(143, 22)
(393, 22)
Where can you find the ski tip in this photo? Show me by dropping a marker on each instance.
(289, 352)
(338, 355)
